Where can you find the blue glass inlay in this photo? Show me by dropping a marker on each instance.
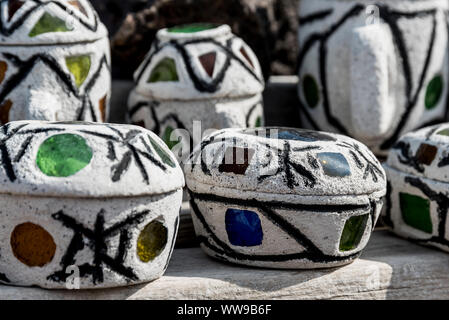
(244, 228)
(291, 134)
(334, 164)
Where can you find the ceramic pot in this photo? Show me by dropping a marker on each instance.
(54, 62)
(418, 193)
(284, 198)
(373, 70)
(197, 73)
(86, 205)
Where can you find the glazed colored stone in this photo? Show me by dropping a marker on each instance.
(373, 70)
(418, 194)
(54, 62)
(284, 198)
(197, 72)
(95, 201)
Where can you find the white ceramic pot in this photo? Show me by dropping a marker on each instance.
(373, 70)
(284, 198)
(54, 62)
(85, 205)
(197, 73)
(418, 193)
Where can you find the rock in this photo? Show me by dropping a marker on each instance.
(268, 26)
(418, 195)
(373, 77)
(55, 62)
(216, 81)
(78, 208)
(284, 198)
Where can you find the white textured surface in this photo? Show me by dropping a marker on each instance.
(96, 179)
(273, 187)
(365, 78)
(41, 211)
(83, 28)
(44, 93)
(390, 268)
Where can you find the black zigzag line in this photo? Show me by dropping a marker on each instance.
(315, 16)
(251, 111)
(19, 22)
(322, 37)
(390, 17)
(200, 84)
(442, 201)
(311, 252)
(25, 68)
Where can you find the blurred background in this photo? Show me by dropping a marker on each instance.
(268, 26)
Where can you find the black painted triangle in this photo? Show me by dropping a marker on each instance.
(208, 62)
(13, 6)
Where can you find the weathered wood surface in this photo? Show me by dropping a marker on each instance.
(390, 268)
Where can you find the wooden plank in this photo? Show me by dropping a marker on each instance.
(390, 268)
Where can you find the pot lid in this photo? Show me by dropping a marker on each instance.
(75, 159)
(285, 161)
(199, 61)
(45, 22)
(423, 153)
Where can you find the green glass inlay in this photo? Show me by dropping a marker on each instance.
(166, 158)
(311, 91)
(48, 23)
(353, 232)
(152, 241)
(434, 92)
(164, 71)
(258, 122)
(63, 155)
(167, 138)
(79, 66)
(192, 28)
(444, 132)
(416, 212)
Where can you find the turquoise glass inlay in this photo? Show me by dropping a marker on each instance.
(244, 228)
(334, 164)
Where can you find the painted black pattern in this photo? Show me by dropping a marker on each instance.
(96, 240)
(268, 209)
(407, 157)
(390, 17)
(200, 84)
(26, 67)
(113, 140)
(39, 5)
(362, 161)
(442, 201)
(315, 17)
(293, 172)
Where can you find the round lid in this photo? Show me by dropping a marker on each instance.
(75, 159)
(423, 153)
(199, 61)
(284, 161)
(44, 22)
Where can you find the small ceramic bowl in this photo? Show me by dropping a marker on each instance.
(198, 72)
(284, 198)
(85, 205)
(418, 193)
(54, 62)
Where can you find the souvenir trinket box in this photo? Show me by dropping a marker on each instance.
(418, 193)
(198, 72)
(284, 198)
(87, 205)
(373, 70)
(54, 62)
